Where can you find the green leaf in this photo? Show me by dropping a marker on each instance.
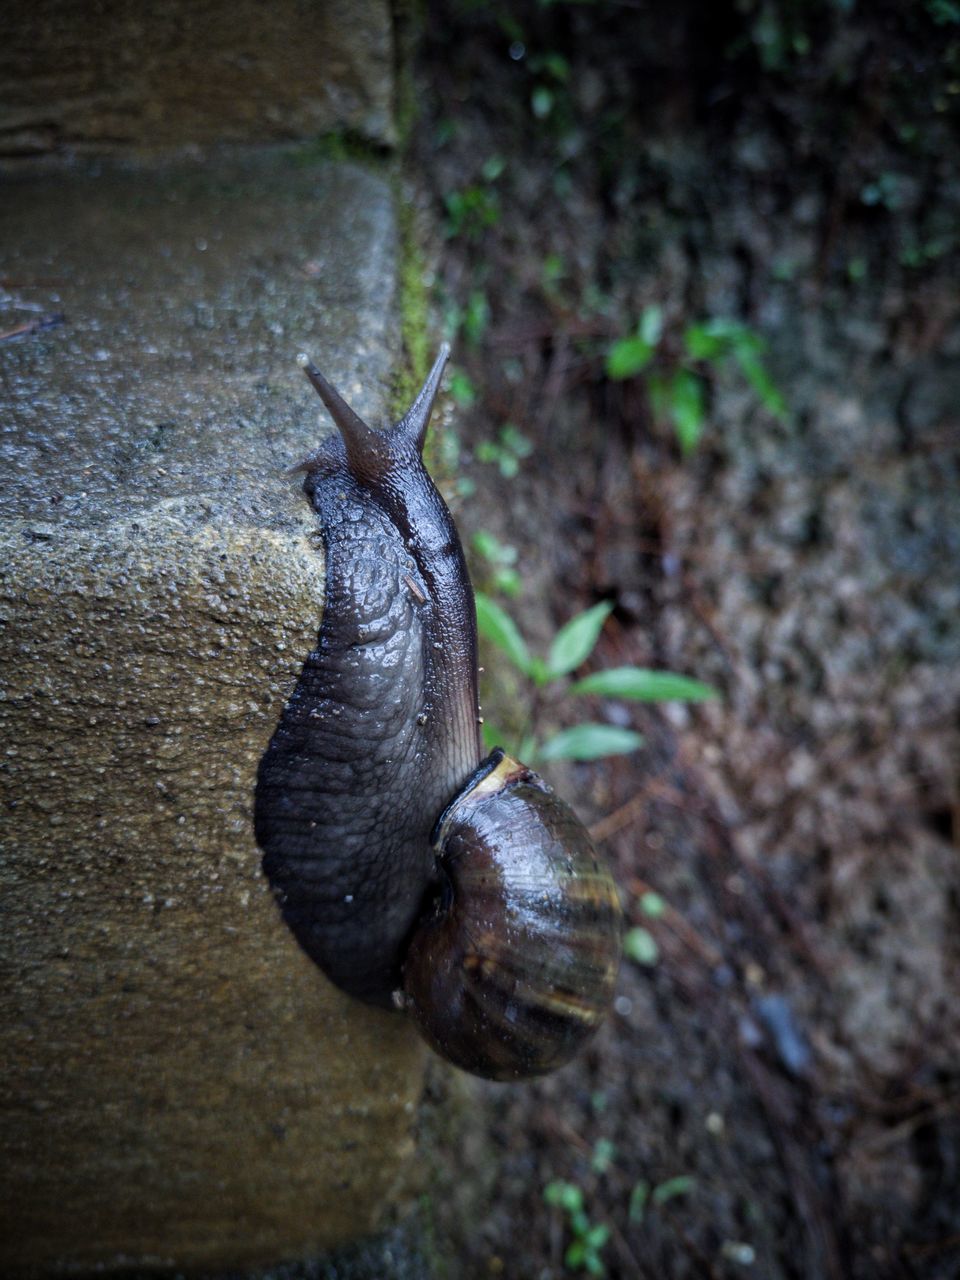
(701, 344)
(651, 325)
(598, 1235)
(496, 625)
(541, 101)
(507, 581)
(590, 742)
(575, 640)
(714, 339)
(638, 1200)
(492, 168)
(603, 1153)
(658, 389)
(514, 439)
(628, 357)
(744, 340)
(640, 946)
(943, 11)
(564, 1195)
(486, 544)
(462, 389)
(492, 737)
(645, 686)
(538, 672)
(553, 270)
(553, 1192)
(687, 409)
(557, 65)
(476, 317)
(682, 1185)
(770, 395)
(575, 1255)
(652, 905)
(579, 1221)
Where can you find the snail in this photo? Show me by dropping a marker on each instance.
(411, 869)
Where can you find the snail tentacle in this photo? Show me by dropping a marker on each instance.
(368, 452)
(413, 425)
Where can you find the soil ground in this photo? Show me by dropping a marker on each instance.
(792, 1053)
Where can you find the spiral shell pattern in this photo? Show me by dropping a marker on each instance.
(513, 966)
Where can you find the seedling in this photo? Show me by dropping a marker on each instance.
(679, 393)
(507, 451)
(501, 560)
(569, 649)
(471, 212)
(583, 1253)
(643, 1194)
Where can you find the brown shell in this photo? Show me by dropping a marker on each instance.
(514, 968)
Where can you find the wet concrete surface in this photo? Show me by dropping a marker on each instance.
(128, 73)
(186, 291)
(182, 1089)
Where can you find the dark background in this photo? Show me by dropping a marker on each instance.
(791, 1055)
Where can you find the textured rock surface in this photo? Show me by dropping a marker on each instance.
(122, 72)
(181, 1086)
(186, 292)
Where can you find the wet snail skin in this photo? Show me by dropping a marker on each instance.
(411, 869)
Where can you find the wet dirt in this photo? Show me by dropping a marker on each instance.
(792, 1054)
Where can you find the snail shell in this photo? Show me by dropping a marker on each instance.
(401, 860)
(514, 967)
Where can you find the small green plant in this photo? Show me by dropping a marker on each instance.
(474, 209)
(571, 647)
(640, 946)
(631, 355)
(550, 93)
(920, 253)
(501, 559)
(583, 1253)
(677, 388)
(885, 190)
(471, 211)
(643, 1194)
(652, 905)
(943, 11)
(552, 273)
(507, 451)
(443, 454)
(462, 389)
(476, 317)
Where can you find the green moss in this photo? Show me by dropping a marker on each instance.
(414, 308)
(416, 335)
(409, 19)
(339, 146)
(413, 300)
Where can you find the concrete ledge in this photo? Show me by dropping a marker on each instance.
(123, 73)
(182, 1088)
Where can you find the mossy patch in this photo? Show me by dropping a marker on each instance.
(340, 146)
(414, 307)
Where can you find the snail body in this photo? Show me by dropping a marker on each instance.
(401, 859)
